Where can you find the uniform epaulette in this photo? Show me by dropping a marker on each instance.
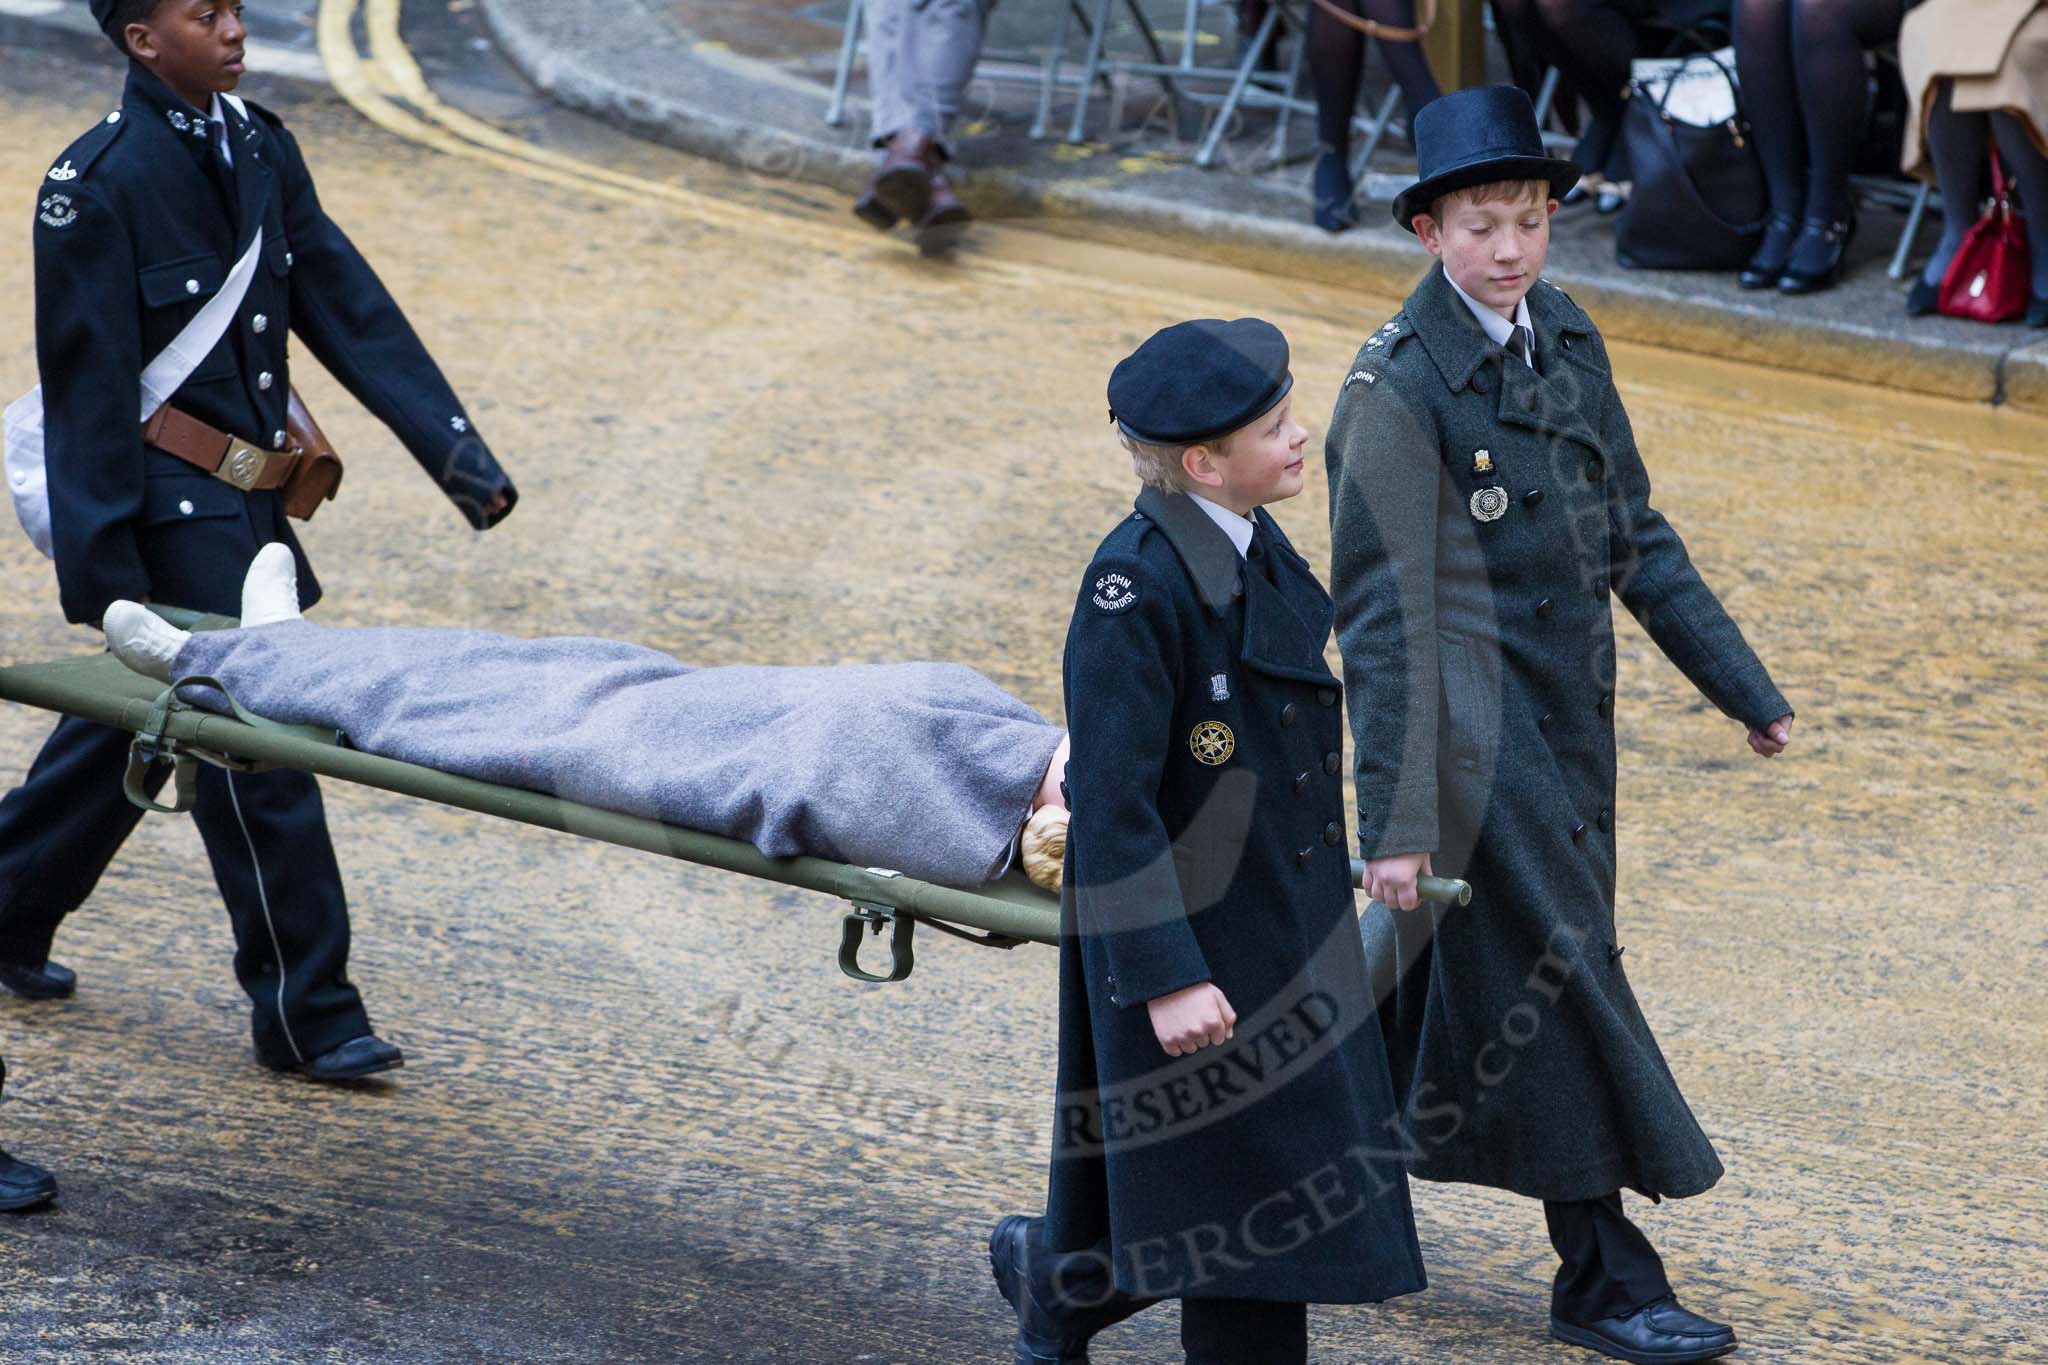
(79, 156)
(1372, 357)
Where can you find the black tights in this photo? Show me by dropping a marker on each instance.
(1803, 83)
(1336, 62)
(1591, 43)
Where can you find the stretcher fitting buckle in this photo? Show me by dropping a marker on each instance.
(867, 917)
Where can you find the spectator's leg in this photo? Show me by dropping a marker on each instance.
(1770, 97)
(892, 81)
(1829, 38)
(1405, 61)
(1594, 43)
(2025, 164)
(1955, 144)
(1336, 60)
(944, 44)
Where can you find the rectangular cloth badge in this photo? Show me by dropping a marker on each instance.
(1219, 687)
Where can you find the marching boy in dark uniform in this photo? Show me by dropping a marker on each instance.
(1223, 1131)
(1486, 500)
(137, 226)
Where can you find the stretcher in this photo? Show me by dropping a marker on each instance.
(167, 730)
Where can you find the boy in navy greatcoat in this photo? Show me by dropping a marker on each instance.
(1223, 1128)
(1487, 504)
(137, 225)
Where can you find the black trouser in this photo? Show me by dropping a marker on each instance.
(1609, 1269)
(1077, 1286)
(266, 836)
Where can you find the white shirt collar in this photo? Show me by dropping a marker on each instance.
(1238, 528)
(221, 139)
(1498, 328)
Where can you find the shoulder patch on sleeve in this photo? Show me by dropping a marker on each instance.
(1112, 590)
(56, 210)
(1372, 356)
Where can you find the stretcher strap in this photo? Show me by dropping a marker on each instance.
(150, 747)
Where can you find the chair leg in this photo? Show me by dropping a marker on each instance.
(849, 43)
(1374, 134)
(1290, 100)
(1914, 217)
(1041, 122)
(1227, 111)
(1171, 86)
(1090, 68)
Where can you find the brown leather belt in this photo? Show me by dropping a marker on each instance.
(230, 459)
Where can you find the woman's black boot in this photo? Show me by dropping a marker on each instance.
(1333, 191)
(1768, 263)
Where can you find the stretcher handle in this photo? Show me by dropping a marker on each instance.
(144, 755)
(865, 918)
(1444, 891)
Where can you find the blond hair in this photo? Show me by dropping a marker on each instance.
(1492, 192)
(1160, 466)
(1043, 846)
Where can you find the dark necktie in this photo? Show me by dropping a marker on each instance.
(1259, 554)
(1521, 344)
(217, 167)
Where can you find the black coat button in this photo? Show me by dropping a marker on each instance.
(1300, 783)
(1333, 834)
(1565, 342)
(1546, 722)
(1532, 498)
(1544, 609)
(1287, 714)
(1595, 467)
(1480, 383)
(1606, 821)
(1606, 707)
(1579, 832)
(1331, 763)
(1326, 695)
(1302, 858)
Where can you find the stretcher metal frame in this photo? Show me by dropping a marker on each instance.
(100, 689)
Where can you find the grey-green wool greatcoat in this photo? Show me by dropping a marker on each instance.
(1482, 515)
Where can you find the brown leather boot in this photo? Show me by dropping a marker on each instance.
(901, 184)
(945, 220)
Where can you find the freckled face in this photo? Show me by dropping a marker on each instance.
(1493, 251)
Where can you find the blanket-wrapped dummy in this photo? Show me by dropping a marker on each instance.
(927, 768)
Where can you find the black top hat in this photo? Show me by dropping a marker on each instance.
(1476, 137)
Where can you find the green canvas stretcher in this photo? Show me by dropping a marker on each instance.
(99, 688)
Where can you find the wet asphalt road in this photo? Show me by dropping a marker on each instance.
(645, 1119)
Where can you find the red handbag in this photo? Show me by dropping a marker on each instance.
(1990, 278)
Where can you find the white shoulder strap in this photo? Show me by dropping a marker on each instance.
(172, 368)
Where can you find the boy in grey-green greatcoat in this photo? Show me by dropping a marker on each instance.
(1487, 500)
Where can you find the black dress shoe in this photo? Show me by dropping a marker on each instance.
(1817, 258)
(1661, 1333)
(353, 1060)
(1922, 298)
(38, 981)
(1767, 263)
(1041, 1339)
(23, 1186)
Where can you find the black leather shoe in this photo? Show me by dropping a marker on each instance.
(1040, 1340)
(1922, 298)
(23, 1186)
(1817, 259)
(353, 1060)
(1768, 261)
(1661, 1333)
(43, 981)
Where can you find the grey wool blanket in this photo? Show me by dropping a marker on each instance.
(926, 768)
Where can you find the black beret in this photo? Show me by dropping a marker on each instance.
(1196, 380)
(103, 11)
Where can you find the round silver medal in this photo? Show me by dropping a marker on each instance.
(1490, 504)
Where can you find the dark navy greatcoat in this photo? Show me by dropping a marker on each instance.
(1208, 844)
(137, 225)
(1484, 516)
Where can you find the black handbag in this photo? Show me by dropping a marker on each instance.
(1698, 201)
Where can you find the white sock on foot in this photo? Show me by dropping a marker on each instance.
(270, 590)
(143, 640)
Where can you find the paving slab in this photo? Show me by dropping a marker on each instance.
(748, 83)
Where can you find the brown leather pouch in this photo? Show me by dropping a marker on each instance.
(317, 476)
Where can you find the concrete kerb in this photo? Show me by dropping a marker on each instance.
(725, 111)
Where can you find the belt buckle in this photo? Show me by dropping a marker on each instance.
(243, 465)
